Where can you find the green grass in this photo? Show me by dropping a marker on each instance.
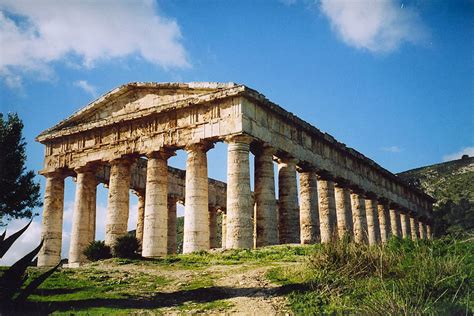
(402, 278)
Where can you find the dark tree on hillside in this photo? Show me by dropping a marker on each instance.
(19, 194)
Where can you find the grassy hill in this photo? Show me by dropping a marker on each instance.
(452, 184)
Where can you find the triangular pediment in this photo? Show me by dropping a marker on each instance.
(135, 97)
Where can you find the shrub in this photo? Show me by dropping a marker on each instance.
(126, 246)
(97, 250)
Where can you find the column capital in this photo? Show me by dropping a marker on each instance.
(383, 201)
(287, 159)
(304, 166)
(258, 148)
(139, 193)
(125, 160)
(56, 173)
(162, 153)
(342, 183)
(203, 146)
(325, 175)
(242, 138)
(370, 195)
(357, 190)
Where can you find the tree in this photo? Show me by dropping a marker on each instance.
(19, 194)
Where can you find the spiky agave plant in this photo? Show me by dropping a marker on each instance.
(12, 282)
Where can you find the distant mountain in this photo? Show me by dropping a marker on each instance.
(452, 184)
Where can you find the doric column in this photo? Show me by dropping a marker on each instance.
(429, 233)
(118, 200)
(224, 230)
(359, 217)
(140, 215)
(196, 213)
(343, 211)
(84, 210)
(213, 227)
(288, 208)
(414, 227)
(265, 202)
(405, 224)
(327, 208)
(384, 221)
(52, 226)
(155, 229)
(309, 207)
(239, 197)
(394, 222)
(422, 228)
(373, 226)
(172, 222)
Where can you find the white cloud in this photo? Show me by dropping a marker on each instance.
(457, 155)
(33, 34)
(87, 87)
(378, 25)
(392, 149)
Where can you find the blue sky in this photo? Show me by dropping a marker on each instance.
(391, 79)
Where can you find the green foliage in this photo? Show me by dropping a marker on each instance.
(13, 290)
(97, 250)
(404, 277)
(126, 246)
(19, 194)
(454, 218)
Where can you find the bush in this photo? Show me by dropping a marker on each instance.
(126, 246)
(97, 250)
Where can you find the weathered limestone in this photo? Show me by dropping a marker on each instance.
(155, 230)
(405, 225)
(359, 217)
(422, 228)
(239, 196)
(172, 225)
(265, 202)
(309, 207)
(118, 201)
(140, 215)
(429, 233)
(327, 209)
(373, 226)
(213, 227)
(196, 212)
(414, 228)
(394, 222)
(384, 221)
(288, 208)
(224, 230)
(343, 211)
(84, 212)
(51, 233)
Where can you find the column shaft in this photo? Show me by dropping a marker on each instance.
(373, 226)
(239, 197)
(422, 228)
(429, 233)
(140, 216)
(265, 201)
(405, 225)
(343, 212)
(359, 218)
(327, 209)
(52, 226)
(213, 227)
(118, 201)
(172, 226)
(414, 228)
(309, 208)
(288, 208)
(196, 213)
(155, 228)
(84, 209)
(224, 230)
(384, 221)
(394, 222)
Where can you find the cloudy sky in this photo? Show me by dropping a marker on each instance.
(393, 79)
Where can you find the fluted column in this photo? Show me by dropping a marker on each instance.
(359, 217)
(384, 221)
(265, 201)
(373, 226)
(140, 216)
(405, 224)
(343, 211)
(288, 208)
(394, 222)
(213, 227)
(309, 207)
(422, 228)
(118, 200)
(196, 213)
(172, 225)
(327, 208)
(224, 230)
(155, 229)
(240, 206)
(414, 227)
(84, 209)
(52, 225)
(429, 233)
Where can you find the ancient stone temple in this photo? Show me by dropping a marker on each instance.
(124, 139)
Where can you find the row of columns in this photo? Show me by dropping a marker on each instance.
(327, 208)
